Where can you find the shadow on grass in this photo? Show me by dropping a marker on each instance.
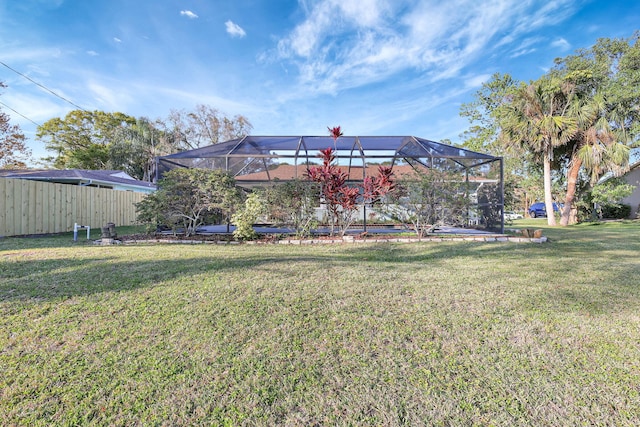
(25, 277)
(67, 277)
(557, 268)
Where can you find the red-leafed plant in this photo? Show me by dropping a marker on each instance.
(341, 199)
(376, 187)
(335, 132)
(334, 191)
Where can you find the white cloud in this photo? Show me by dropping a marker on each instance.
(521, 52)
(561, 44)
(366, 13)
(525, 47)
(473, 82)
(108, 99)
(35, 107)
(528, 42)
(92, 53)
(188, 14)
(332, 17)
(15, 55)
(332, 56)
(234, 29)
(181, 97)
(117, 40)
(343, 44)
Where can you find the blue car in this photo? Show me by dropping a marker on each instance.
(538, 209)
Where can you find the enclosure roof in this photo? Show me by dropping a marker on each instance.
(345, 146)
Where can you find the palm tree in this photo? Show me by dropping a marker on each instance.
(135, 148)
(597, 147)
(536, 119)
(607, 80)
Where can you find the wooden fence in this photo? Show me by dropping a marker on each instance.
(35, 207)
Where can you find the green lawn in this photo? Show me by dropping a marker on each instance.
(447, 333)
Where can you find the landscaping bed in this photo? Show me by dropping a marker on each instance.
(370, 238)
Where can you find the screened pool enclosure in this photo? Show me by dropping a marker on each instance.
(261, 160)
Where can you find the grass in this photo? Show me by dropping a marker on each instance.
(446, 333)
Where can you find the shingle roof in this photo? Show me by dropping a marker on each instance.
(77, 175)
(287, 172)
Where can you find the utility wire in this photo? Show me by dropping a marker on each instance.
(43, 87)
(20, 114)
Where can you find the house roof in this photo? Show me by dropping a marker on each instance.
(79, 176)
(286, 172)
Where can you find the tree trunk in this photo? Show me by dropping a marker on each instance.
(572, 183)
(548, 199)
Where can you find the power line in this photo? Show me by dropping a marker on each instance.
(20, 114)
(45, 88)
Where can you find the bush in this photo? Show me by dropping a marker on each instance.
(292, 204)
(150, 212)
(342, 199)
(435, 198)
(190, 198)
(616, 211)
(254, 206)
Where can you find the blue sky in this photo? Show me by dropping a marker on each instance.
(373, 67)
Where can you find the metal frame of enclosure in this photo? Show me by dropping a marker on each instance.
(259, 160)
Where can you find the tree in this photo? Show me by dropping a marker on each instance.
(190, 198)
(335, 133)
(604, 82)
(483, 113)
(204, 126)
(374, 188)
(292, 203)
(135, 148)
(607, 80)
(99, 140)
(83, 138)
(340, 198)
(598, 89)
(537, 120)
(593, 148)
(521, 172)
(430, 198)
(13, 150)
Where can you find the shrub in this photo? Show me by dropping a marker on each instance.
(190, 198)
(293, 204)
(342, 199)
(608, 195)
(150, 213)
(434, 198)
(616, 211)
(244, 219)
